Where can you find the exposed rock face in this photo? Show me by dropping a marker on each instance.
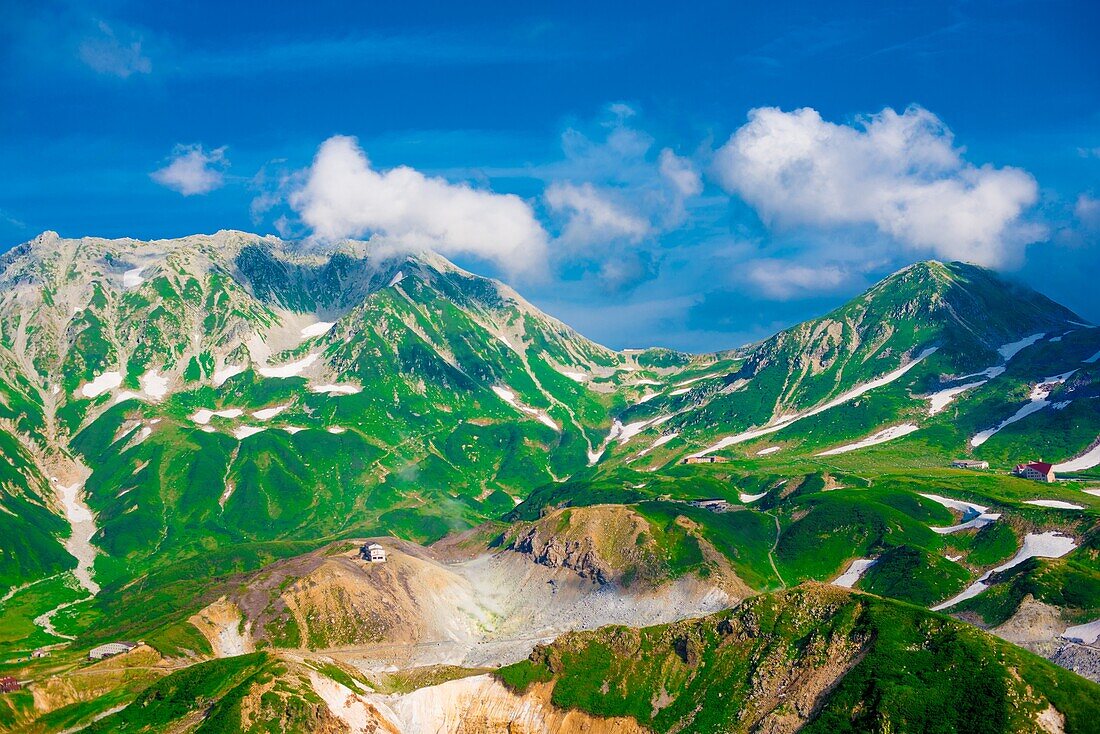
(579, 555)
(482, 705)
(1037, 627)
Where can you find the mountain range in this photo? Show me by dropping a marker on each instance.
(201, 432)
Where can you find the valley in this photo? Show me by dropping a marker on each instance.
(202, 433)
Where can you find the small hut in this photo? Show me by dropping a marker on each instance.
(373, 553)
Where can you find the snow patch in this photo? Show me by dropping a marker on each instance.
(336, 429)
(154, 385)
(1038, 401)
(317, 329)
(1036, 545)
(101, 384)
(661, 441)
(510, 397)
(1093, 359)
(577, 376)
(132, 278)
(293, 429)
(291, 369)
(750, 498)
(1086, 460)
(883, 436)
(1083, 633)
(220, 376)
(203, 415)
(397, 278)
(1010, 350)
(973, 516)
(242, 432)
(267, 413)
(937, 401)
(681, 391)
(1055, 504)
(769, 450)
(856, 569)
(344, 389)
(82, 521)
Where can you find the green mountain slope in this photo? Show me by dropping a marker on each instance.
(813, 659)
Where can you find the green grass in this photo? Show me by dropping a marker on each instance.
(914, 575)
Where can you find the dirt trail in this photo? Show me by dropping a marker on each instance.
(771, 553)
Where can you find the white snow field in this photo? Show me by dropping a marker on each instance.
(268, 413)
(1038, 401)
(1010, 350)
(242, 432)
(974, 516)
(220, 376)
(1055, 504)
(1086, 460)
(510, 397)
(317, 329)
(849, 578)
(132, 278)
(290, 369)
(154, 385)
(101, 384)
(1084, 633)
(343, 389)
(939, 400)
(203, 415)
(1036, 545)
(883, 436)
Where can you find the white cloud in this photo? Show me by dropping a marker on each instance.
(106, 53)
(900, 173)
(785, 280)
(193, 170)
(680, 172)
(591, 216)
(342, 196)
(611, 193)
(1087, 210)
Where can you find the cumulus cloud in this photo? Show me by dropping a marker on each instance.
(1087, 211)
(592, 215)
(785, 280)
(342, 195)
(193, 170)
(106, 53)
(899, 173)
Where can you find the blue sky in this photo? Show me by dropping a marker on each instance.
(695, 177)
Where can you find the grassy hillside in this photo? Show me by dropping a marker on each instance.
(813, 656)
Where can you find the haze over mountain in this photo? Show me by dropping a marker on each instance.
(201, 430)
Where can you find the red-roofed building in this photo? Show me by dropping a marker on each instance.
(1040, 471)
(9, 684)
